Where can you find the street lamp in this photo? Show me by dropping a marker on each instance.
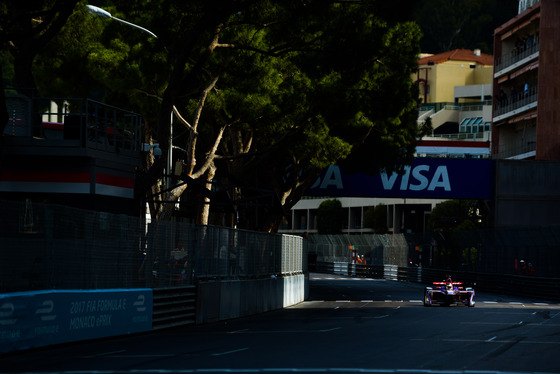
(157, 151)
(103, 13)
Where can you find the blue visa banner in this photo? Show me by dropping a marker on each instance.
(434, 178)
(41, 318)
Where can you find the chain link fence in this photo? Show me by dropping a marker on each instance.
(521, 251)
(376, 249)
(47, 246)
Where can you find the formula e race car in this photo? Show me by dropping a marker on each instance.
(447, 293)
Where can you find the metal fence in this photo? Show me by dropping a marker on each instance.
(493, 251)
(377, 249)
(47, 246)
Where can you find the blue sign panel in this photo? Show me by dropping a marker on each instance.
(434, 178)
(36, 319)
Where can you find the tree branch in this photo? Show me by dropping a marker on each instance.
(183, 121)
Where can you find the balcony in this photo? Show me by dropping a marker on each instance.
(516, 58)
(515, 104)
(70, 127)
(524, 4)
(74, 152)
(519, 150)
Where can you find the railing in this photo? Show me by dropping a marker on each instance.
(474, 106)
(174, 306)
(516, 101)
(84, 123)
(524, 4)
(433, 106)
(515, 56)
(519, 149)
(462, 136)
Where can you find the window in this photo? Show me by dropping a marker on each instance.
(473, 125)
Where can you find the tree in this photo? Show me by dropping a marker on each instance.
(268, 92)
(376, 219)
(330, 217)
(25, 29)
(287, 103)
(452, 24)
(455, 215)
(323, 109)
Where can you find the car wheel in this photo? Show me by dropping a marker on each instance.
(470, 301)
(427, 298)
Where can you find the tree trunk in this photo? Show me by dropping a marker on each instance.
(205, 214)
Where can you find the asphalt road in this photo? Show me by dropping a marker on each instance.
(348, 325)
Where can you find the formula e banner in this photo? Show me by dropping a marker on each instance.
(40, 318)
(434, 178)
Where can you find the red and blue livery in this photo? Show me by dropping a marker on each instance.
(447, 293)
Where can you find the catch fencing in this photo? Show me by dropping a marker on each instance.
(48, 246)
(376, 249)
(493, 251)
(544, 288)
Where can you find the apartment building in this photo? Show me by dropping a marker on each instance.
(526, 87)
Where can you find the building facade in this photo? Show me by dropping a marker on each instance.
(526, 117)
(526, 89)
(439, 76)
(75, 152)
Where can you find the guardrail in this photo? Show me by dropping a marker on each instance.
(516, 285)
(173, 306)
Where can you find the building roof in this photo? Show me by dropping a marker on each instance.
(458, 55)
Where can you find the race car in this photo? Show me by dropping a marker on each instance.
(447, 293)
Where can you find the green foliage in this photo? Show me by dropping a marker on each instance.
(452, 24)
(26, 28)
(302, 85)
(376, 219)
(470, 256)
(455, 215)
(330, 217)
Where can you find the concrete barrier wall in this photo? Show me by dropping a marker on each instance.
(36, 319)
(40, 318)
(227, 299)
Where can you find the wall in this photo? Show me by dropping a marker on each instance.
(527, 193)
(548, 116)
(443, 116)
(222, 300)
(451, 74)
(40, 318)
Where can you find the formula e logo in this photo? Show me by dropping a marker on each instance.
(140, 303)
(45, 311)
(418, 179)
(7, 314)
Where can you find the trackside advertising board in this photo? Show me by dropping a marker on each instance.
(41, 318)
(433, 178)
